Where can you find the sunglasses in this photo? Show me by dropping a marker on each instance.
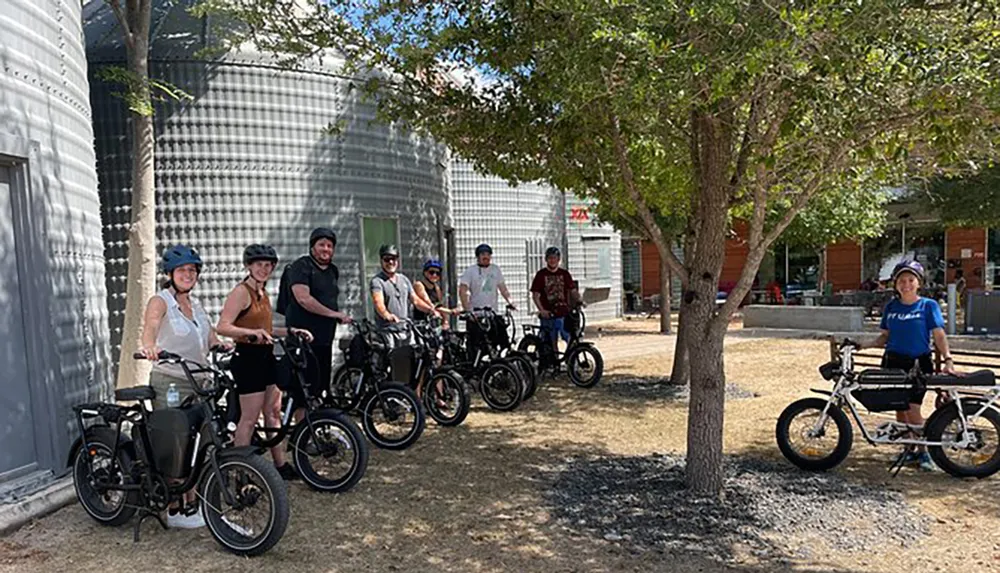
(434, 273)
(389, 259)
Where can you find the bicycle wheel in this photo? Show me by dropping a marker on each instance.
(981, 457)
(330, 452)
(258, 516)
(342, 394)
(585, 366)
(529, 346)
(446, 399)
(392, 418)
(501, 387)
(804, 445)
(526, 370)
(107, 507)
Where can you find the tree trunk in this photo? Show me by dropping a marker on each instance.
(704, 327)
(142, 232)
(664, 297)
(707, 406)
(680, 372)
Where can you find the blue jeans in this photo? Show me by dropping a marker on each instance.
(553, 328)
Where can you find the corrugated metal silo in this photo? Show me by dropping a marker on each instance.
(518, 222)
(595, 260)
(53, 329)
(262, 154)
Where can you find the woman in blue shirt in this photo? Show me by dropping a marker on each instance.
(908, 323)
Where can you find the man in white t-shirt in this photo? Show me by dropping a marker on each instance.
(478, 286)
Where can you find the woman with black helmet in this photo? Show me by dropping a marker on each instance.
(175, 322)
(908, 324)
(247, 318)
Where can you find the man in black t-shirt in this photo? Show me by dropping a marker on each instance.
(308, 298)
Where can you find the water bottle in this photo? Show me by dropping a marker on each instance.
(173, 396)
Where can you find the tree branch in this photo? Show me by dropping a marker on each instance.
(649, 222)
(122, 16)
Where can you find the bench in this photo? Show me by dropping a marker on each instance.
(964, 359)
(828, 318)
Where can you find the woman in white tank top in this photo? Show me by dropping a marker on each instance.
(176, 322)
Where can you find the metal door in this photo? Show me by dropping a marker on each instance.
(18, 453)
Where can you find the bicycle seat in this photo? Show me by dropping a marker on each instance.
(135, 393)
(977, 378)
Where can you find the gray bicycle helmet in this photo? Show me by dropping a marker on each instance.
(388, 251)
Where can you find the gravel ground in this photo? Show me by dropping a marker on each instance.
(642, 501)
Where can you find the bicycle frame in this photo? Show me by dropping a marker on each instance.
(848, 381)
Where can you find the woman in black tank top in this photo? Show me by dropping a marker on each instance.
(428, 287)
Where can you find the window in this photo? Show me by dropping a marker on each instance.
(604, 263)
(375, 232)
(992, 274)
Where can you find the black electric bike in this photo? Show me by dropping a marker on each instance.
(474, 357)
(168, 452)
(443, 390)
(584, 362)
(391, 415)
(328, 450)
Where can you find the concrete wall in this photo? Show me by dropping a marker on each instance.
(837, 319)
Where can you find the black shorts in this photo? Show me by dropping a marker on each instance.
(254, 368)
(904, 362)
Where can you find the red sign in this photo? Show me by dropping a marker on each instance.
(579, 214)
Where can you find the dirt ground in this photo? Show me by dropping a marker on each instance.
(473, 498)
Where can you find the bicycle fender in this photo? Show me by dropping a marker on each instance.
(823, 392)
(106, 432)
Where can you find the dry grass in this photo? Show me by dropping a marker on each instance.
(473, 498)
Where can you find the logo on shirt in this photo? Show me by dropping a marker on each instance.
(900, 316)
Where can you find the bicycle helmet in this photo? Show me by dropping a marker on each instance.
(433, 264)
(322, 233)
(912, 267)
(258, 252)
(388, 251)
(179, 255)
(553, 251)
(483, 248)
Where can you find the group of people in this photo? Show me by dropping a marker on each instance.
(308, 297)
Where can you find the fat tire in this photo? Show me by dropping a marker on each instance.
(276, 489)
(303, 461)
(844, 429)
(491, 399)
(388, 390)
(940, 420)
(104, 438)
(463, 397)
(598, 366)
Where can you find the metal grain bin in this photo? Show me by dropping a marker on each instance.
(53, 329)
(262, 154)
(595, 261)
(518, 222)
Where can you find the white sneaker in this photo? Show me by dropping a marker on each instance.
(180, 521)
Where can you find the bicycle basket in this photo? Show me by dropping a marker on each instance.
(889, 390)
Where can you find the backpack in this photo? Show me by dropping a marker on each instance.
(284, 292)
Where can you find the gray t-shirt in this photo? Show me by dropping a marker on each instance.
(396, 294)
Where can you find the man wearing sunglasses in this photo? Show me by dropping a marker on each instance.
(393, 294)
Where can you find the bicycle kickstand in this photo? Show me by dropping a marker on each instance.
(897, 464)
(146, 515)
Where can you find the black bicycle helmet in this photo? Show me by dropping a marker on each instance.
(912, 267)
(388, 251)
(322, 233)
(553, 251)
(179, 255)
(483, 248)
(258, 252)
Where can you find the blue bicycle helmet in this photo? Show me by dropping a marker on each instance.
(483, 248)
(912, 267)
(433, 264)
(179, 255)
